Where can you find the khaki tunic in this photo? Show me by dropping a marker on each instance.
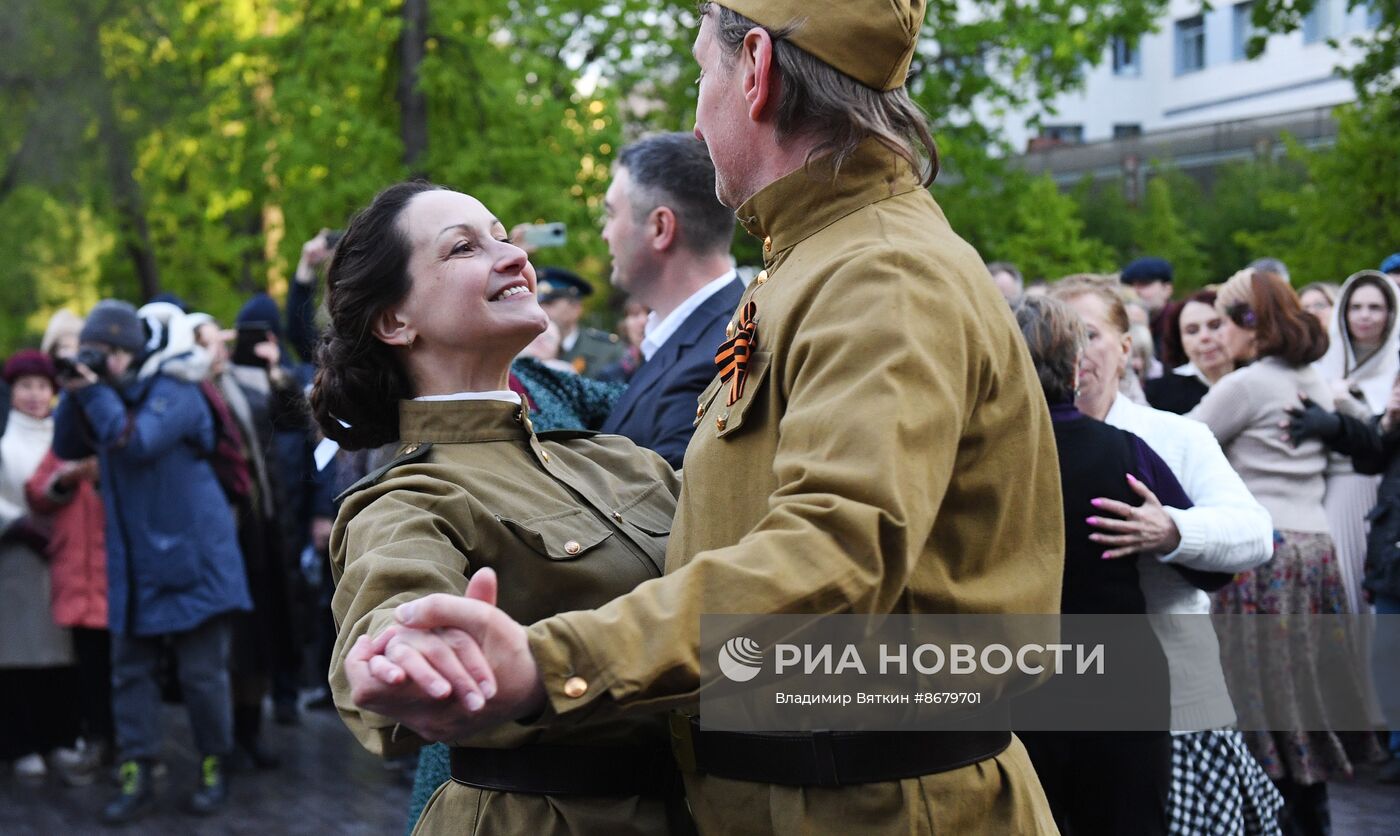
(891, 453)
(568, 521)
(593, 351)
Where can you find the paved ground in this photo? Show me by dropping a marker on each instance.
(328, 786)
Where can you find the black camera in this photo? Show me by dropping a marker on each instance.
(91, 356)
(94, 358)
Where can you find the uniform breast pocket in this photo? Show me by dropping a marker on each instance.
(729, 419)
(650, 509)
(564, 536)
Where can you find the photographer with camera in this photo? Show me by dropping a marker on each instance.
(175, 570)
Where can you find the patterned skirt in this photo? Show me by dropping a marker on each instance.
(1218, 788)
(1302, 577)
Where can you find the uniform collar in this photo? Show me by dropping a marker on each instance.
(455, 422)
(797, 206)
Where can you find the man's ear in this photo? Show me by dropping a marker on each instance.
(392, 328)
(664, 228)
(759, 71)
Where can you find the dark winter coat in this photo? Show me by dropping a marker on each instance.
(173, 558)
(1375, 453)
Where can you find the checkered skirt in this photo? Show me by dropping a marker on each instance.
(1218, 789)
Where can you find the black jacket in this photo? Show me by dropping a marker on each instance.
(1373, 453)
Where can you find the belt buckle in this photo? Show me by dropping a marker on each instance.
(683, 742)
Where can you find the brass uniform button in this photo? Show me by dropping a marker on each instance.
(721, 422)
(617, 517)
(768, 244)
(700, 412)
(761, 278)
(575, 687)
(573, 547)
(409, 450)
(730, 330)
(544, 455)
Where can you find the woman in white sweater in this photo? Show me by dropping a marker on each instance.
(1217, 787)
(38, 686)
(1244, 411)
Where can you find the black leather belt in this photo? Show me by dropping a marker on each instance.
(546, 769)
(829, 759)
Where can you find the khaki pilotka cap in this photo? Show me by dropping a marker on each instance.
(871, 41)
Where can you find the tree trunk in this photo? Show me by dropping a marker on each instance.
(126, 192)
(413, 106)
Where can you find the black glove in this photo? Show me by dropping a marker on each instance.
(1312, 421)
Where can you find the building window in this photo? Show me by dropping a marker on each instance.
(1190, 45)
(1242, 31)
(1063, 134)
(1126, 60)
(1127, 131)
(1317, 24)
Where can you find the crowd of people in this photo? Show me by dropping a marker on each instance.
(502, 568)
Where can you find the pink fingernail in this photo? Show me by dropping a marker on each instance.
(474, 701)
(1091, 520)
(1096, 502)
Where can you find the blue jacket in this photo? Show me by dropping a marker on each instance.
(172, 552)
(658, 409)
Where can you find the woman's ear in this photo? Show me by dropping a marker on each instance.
(392, 328)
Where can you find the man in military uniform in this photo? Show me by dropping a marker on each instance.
(561, 295)
(876, 442)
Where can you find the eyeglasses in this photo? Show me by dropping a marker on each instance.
(1242, 315)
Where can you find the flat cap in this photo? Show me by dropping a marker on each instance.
(871, 41)
(1150, 269)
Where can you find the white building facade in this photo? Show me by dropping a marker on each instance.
(1193, 72)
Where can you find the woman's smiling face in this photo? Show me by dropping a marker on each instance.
(470, 288)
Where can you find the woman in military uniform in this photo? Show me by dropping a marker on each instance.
(429, 303)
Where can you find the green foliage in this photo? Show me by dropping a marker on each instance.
(218, 137)
(1161, 230)
(1048, 238)
(1347, 217)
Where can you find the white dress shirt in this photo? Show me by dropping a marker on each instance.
(659, 331)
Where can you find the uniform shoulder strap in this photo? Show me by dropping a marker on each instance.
(411, 453)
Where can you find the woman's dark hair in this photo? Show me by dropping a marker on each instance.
(1282, 328)
(359, 380)
(1055, 335)
(1173, 352)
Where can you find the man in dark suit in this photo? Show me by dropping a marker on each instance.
(670, 237)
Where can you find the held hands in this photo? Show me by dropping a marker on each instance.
(1146, 528)
(451, 667)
